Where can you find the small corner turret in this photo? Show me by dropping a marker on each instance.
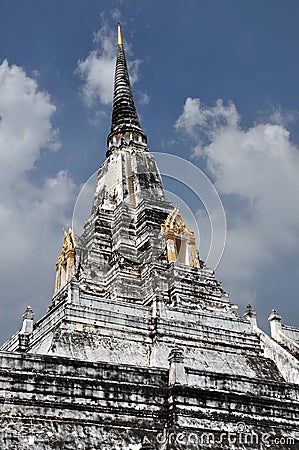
(26, 330)
(250, 315)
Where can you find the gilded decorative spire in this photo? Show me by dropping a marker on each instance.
(124, 115)
(119, 36)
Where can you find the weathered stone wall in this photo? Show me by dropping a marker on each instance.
(68, 404)
(49, 402)
(88, 327)
(220, 419)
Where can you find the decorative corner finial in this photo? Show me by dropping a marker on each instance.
(119, 36)
(28, 314)
(274, 316)
(250, 312)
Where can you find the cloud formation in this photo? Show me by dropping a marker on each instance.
(22, 109)
(31, 215)
(97, 69)
(198, 119)
(257, 172)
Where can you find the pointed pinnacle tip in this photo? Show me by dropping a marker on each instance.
(119, 36)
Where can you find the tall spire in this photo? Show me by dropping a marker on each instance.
(125, 122)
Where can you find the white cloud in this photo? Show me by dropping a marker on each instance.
(97, 69)
(25, 127)
(199, 119)
(257, 171)
(31, 216)
(97, 73)
(283, 118)
(144, 98)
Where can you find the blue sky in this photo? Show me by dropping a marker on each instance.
(245, 53)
